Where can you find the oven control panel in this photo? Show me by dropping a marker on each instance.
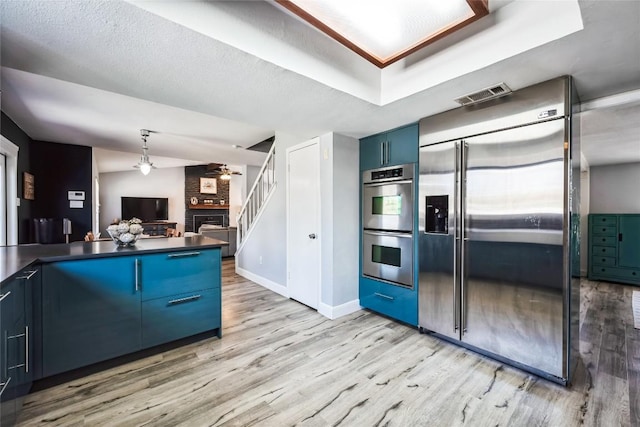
(389, 173)
(394, 173)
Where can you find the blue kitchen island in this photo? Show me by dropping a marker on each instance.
(67, 306)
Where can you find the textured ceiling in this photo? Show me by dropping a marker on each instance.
(95, 72)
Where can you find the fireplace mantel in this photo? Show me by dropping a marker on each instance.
(207, 206)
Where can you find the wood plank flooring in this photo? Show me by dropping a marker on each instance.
(280, 363)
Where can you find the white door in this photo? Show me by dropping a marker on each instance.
(303, 223)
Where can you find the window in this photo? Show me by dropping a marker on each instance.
(9, 192)
(3, 200)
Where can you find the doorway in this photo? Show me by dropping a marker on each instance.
(303, 223)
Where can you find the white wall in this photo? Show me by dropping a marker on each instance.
(251, 174)
(263, 257)
(339, 181)
(166, 182)
(239, 187)
(615, 188)
(264, 254)
(236, 197)
(584, 221)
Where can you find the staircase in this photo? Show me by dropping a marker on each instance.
(257, 198)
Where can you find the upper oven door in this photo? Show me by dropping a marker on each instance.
(388, 206)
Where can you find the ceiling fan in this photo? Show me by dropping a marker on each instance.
(221, 170)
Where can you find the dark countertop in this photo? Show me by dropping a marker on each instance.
(15, 258)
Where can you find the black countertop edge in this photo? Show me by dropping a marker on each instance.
(14, 259)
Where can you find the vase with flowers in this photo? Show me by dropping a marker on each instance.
(126, 232)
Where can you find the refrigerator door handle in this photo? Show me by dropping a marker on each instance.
(463, 232)
(456, 238)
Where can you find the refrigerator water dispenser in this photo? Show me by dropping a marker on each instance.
(437, 214)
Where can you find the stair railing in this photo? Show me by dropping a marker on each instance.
(259, 194)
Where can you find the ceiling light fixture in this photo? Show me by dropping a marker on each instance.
(144, 164)
(383, 31)
(226, 173)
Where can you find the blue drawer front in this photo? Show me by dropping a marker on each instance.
(393, 301)
(172, 273)
(178, 316)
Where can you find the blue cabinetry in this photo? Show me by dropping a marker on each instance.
(98, 309)
(170, 273)
(90, 312)
(393, 301)
(180, 294)
(16, 342)
(614, 247)
(395, 147)
(173, 317)
(7, 355)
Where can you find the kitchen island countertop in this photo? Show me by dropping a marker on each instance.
(15, 258)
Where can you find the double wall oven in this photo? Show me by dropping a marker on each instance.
(387, 224)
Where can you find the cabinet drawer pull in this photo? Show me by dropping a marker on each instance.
(182, 300)
(13, 337)
(4, 385)
(28, 276)
(183, 254)
(3, 296)
(619, 237)
(137, 274)
(26, 349)
(16, 366)
(383, 296)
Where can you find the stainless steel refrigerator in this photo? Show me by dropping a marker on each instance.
(498, 185)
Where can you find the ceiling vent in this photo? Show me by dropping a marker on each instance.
(484, 94)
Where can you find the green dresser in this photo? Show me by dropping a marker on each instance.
(614, 247)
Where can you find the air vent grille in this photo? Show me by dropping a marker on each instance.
(484, 94)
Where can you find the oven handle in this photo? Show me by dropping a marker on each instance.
(381, 183)
(388, 233)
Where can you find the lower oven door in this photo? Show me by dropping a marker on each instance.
(388, 256)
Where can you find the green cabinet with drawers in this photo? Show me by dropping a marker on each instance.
(614, 248)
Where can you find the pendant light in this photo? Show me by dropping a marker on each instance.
(144, 164)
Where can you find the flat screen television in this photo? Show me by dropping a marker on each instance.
(148, 209)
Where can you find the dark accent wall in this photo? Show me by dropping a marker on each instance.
(13, 133)
(192, 175)
(59, 168)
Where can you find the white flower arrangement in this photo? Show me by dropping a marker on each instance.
(126, 232)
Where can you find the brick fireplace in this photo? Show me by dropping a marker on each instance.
(210, 208)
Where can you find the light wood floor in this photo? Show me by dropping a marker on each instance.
(280, 363)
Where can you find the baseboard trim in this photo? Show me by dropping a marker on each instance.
(264, 282)
(333, 312)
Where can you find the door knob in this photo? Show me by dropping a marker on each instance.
(312, 235)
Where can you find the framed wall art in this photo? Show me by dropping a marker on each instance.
(208, 186)
(28, 185)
